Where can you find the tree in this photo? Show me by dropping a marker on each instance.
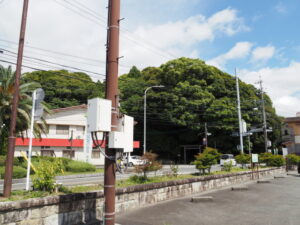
(150, 164)
(7, 80)
(194, 94)
(64, 89)
(204, 161)
(243, 159)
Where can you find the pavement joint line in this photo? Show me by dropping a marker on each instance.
(240, 188)
(263, 181)
(279, 177)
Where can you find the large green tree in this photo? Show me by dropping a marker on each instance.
(194, 94)
(64, 89)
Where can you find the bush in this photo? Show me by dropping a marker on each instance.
(292, 159)
(3, 159)
(227, 166)
(18, 172)
(265, 158)
(44, 179)
(243, 159)
(174, 168)
(271, 160)
(138, 179)
(150, 164)
(77, 167)
(205, 160)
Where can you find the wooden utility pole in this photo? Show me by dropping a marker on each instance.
(15, 103)
(112, 66)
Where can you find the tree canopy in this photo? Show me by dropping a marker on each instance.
(64, 89)
(194, 94)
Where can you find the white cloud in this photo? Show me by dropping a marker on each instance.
(53, 27)
(263, 54)
(280, 8)
(240, 50)
(281, 84)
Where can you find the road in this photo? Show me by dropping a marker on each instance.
(86, 179)
(275, 203)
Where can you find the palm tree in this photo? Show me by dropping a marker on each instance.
(7, 79)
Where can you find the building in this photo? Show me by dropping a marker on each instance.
(67, 137)
(291, 134)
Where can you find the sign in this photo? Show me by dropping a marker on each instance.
(254, 158)
(38, 109)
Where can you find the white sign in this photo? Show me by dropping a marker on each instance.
(254, 158)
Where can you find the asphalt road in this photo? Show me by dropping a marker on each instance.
(87, 179)
(275, 203)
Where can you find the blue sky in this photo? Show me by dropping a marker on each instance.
(260, 38)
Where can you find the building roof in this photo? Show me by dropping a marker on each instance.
(83, 106)
(292, 119)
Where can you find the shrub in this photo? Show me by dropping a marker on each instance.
(150, 164)
(271, 160)
(227, 166)
(292, 159)
(243, 159)
(205, 160)
(78, 166)
(174, 168)
(138, 179)
(18, 172)
(45, 175)
(3, 159)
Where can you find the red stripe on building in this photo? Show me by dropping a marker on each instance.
(59, 142)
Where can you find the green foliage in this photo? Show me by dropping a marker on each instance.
(243, 159)
(292, 159)
(64, 89)
(194, 93)
(205, 160)
(138, 179)
(271, 160)
(18, 172)
(3, 159)
(44, 179)
(77, 166)
(227, 166)
(150, 164)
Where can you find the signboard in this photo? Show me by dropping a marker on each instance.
(254, 158)
(39, 110)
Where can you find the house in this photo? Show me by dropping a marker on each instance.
(67, 137)
(291, 134)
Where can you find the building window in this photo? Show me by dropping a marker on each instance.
(68, 153)
(286, 132)
(96, 154)
(62, 129)
(47, 153)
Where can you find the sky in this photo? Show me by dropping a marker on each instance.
(258, 37)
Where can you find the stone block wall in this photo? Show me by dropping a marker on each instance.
(87, 208)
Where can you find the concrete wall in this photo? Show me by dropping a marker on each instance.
(84, 208)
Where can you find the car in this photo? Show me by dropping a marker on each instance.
(226, 158)
(134, 160)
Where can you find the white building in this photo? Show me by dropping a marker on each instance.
(63, 124)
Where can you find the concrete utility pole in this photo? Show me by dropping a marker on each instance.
(112, 67)
(239, 112)
(264, 115)
(15, 103)
(206, 135)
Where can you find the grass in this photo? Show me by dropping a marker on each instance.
(100, 170)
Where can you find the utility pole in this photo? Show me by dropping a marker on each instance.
(206, 135)
(264, 115)
(15, 103)
(112, 67)
(239, 112)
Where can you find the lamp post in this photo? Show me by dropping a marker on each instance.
(145, 111)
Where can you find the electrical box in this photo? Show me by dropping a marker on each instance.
(99, 115)
(116, 140)
(128, 127)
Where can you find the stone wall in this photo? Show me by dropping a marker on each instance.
(86, 208)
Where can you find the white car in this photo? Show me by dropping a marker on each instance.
(226, 158)
(134, 160)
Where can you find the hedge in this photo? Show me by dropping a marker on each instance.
(18, 172)
(77, 166)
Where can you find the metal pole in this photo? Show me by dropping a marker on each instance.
(112, 67)
(206, 140)
(145, 120)
(15, 103)
(264, 116)
(239, 112)
(30, 140)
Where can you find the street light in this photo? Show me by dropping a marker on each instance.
(145, 105)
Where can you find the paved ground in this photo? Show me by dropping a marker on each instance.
(83, 179)
(276, 203)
